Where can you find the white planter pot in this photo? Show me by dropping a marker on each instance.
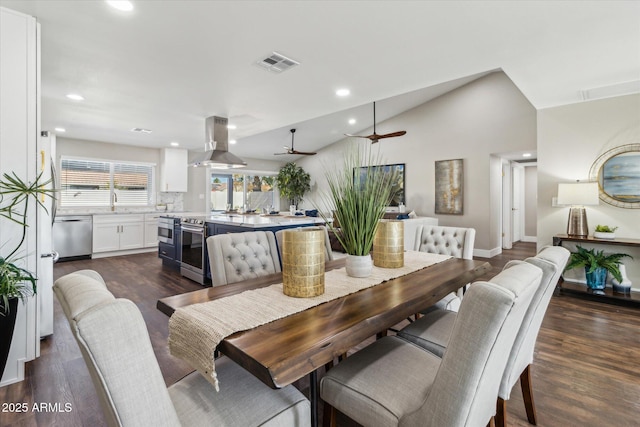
(603, 235)
(359, 265)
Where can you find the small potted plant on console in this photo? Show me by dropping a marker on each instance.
(604, 232)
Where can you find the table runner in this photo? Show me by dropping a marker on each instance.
(196, 330)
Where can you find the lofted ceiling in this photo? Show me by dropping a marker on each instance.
(168, 65)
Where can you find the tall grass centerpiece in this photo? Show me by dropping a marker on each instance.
(358, 196)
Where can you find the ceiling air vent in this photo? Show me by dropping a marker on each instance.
(141, 130)
(277, 63)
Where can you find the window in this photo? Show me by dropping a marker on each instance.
(254, 191)
(97, 183)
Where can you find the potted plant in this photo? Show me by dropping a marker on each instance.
(596, 265)
(293, 183)
(16, 283)
(358, 201)
(604, 232)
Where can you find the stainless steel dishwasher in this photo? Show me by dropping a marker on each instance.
(73, 236)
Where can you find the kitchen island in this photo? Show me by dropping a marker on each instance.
(238, 223)
(192, 254)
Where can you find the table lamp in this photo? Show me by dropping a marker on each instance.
(578, 195)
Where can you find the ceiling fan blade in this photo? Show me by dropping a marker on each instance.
(357, 136)
(303, 153)
(392, 135)
(280, 154)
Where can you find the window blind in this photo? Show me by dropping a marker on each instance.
(92, 183)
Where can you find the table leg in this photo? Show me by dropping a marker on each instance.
(313, 397)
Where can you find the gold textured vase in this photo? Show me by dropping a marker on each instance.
(388, 244)
(303, 262)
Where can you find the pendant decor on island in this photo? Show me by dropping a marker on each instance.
(303, 262)
(388, 244)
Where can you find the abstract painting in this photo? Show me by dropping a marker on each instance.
(621, 177)
(449, 187)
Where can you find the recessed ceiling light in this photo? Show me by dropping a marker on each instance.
(526, 155)
(352, 121)
(60, 129)
(75, 97)
(232, 141)
(343, 92)
(230, 126)
(175, 144)
(124, 5)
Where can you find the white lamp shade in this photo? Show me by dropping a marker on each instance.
(578, 193)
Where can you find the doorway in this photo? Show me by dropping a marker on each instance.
(519, 202)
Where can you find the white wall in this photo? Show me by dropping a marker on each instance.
(19, 129)
(107, 151)
(489, 115)
(570, 138)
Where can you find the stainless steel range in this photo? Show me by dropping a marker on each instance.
(192, 250)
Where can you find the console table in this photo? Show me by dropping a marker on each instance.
(607, 295)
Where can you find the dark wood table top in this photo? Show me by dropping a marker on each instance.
(285, 350)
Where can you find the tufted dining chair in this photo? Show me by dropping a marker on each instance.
(455, 241)
(393, 382)
(234, 257)
(328, 252)
(434, 330)
(116, 348)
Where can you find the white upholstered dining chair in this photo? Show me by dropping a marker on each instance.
(434, 330)
(234, 257)
(455, 241)
(393, 382)
(115, 345)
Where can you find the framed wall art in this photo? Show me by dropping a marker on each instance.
(396, 173)
(617, 173)
(449, 187)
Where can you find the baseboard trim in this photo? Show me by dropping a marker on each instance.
(532, 239)
(125, 252)
(487, 253)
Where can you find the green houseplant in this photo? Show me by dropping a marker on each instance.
(604, 232)
(293, 182)
(358, 197)
(16, 283)
(596, 265)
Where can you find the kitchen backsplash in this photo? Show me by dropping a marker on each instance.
(171, 202)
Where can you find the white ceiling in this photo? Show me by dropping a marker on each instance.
(168, 65)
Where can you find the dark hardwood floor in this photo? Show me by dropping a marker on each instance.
(586, 370)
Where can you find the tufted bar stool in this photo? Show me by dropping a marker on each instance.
(235, 257)
(455, 241)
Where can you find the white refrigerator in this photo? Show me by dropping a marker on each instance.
(46, 256)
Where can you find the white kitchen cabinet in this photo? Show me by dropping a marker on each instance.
(117, 232)
(151, 230)
(173, 170)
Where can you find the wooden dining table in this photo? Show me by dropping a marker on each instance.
(286, 350)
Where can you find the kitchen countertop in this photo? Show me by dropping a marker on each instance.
(258, 221)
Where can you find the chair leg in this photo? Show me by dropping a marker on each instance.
(501, 413)
(329, 416)
(491, 423)
(527, 394)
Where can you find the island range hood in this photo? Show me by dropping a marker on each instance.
(216, 154)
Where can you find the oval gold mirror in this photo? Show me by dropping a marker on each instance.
(617, 172)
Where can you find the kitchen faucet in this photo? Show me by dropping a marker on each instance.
(114, 200)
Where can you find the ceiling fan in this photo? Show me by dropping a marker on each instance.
(291, 150)
(374, 137)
